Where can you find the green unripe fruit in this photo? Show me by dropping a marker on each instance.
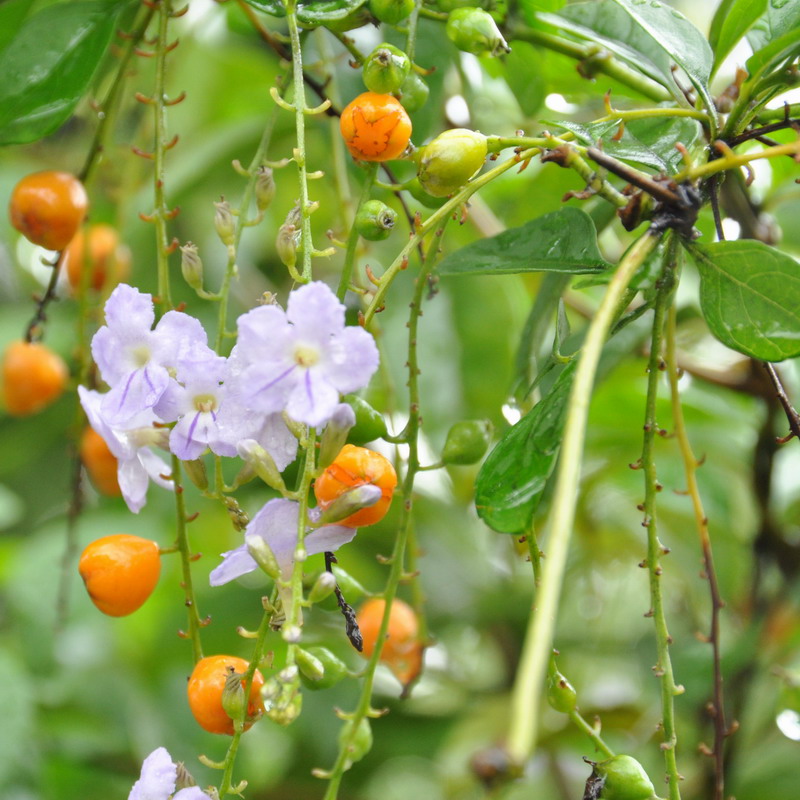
(450, 160)
(413, 94)
(452, 5)
(467, 441)
(370, 424)
(473, 30)
(391, 11)
(319, 667)
(361, 742)
(385, 69)
(414, 188)
(561, 693)
(375, 221)
(355, 19)
(619, 778)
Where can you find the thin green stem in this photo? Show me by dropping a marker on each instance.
(411, 35)
(184, 548)
(352, 240)
(526, 701)
(655, 550)
(579, 722)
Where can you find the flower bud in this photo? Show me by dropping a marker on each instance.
(261, 462)
(289, 237)
(263, 556)
(361, 742)
(385, 69)
(467, 441)
(450, 160)
(192, 266)
(561, 693)
(473, 30)
(350, 502)
(281, 696)
(310, 666)
(369, 425)
(149, 437)
(233, 697)
(196, 470)
(265, 188)
(323, 587)
(333, 669)
(224, 223)
(335, 434)
(619, 778)
(375, 220)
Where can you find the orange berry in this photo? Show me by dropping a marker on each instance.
(355, 466)
(100, 463)
(402, 650)
(108, 260)
(120, 572)
(375, 127)
(48, 208)
(33, 377)
(205, 693)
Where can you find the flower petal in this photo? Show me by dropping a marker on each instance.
(352, 360)
(137, 392)
(263, 331)
(276, 524)
(190, 793)
(133, 483)
(235, 563)
(313, 399)
(315, 311)
(328, 538)
(157, 779)
(127, 310)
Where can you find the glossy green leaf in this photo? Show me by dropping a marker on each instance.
(606, 24)
(523, 78)
(512, 479)
(12, 13)
(562, 241)
(750, 297)
(47, 67)
(530, 7)
(732, 20)
(310, 13)
(650, 142)
(773, 54)
(678, 38)
(782, 16)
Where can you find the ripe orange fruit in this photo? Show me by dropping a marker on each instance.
(33, 377)
(375, 127)
(402, 650)
(120, 572)
(355, 466)
(100, 463)
(205, 693)
(48, 208)
(107, 260)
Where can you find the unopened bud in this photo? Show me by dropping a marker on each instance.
(289, 237)
(335, 434)
(348, 503)
(233, 697)
(261, 462)
(291, 634)
(310, 666)
(323, 587)
(263, 556)
(356, 738)
(149, 437)
(333, 669)
(265, 188)
(561, 694)
(224, 223)
(192, 266)
(196, 470)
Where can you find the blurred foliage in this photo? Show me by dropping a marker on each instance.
(86, 697)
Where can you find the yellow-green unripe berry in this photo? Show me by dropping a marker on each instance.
(619, 778)
(467, 441)
(473, 30)
(361, 743)
(450, 160)
(391, 11)
(414, 188)
(370, 424)
(375, 220)
(561, 693)
(320, 668)
(413, 94)
(386, 69)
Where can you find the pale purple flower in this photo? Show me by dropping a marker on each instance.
(133, 359)
(276, 524)
(300, 360)
(158, 778)
(137, 465)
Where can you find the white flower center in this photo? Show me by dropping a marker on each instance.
(305, 355)
(205, 403)
(140, 354)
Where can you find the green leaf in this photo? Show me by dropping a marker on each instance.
(524, 79)
(773, 55)
(511, 481)
(648, 141)
(732, 20)
(562, 241)
(782, 16)
(12, 13)
(530, 7)
(310, 13)
(750, 297)
(47, 67)
(678, 38)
